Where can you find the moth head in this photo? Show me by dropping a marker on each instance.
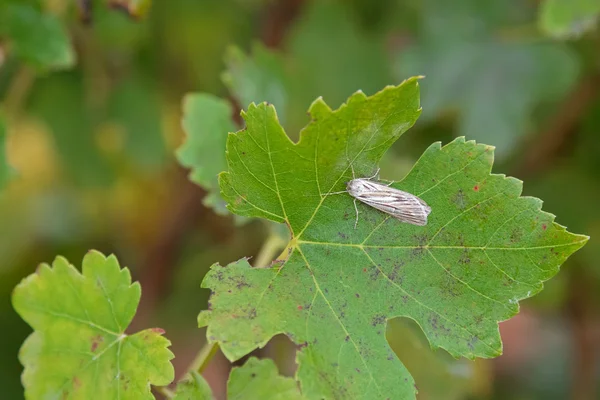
(355, 186)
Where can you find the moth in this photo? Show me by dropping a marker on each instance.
(403, 206)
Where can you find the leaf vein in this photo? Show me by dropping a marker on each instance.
(339, 321)
(423, 304)
(457, 279)
(273, 171)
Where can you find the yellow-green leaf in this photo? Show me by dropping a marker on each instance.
(79, 348)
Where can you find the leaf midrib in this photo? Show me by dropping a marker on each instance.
(375, 246)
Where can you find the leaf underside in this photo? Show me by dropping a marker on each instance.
(78, 349)
(484, 248)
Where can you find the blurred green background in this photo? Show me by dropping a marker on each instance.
(93, 110)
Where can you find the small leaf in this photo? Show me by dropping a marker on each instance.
(568, 18)
(79, 349)
(484, 248)
(39, 39)
(206, 122)
(193, 388)
(256, 379)
(259, 379)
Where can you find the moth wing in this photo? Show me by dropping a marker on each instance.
(412, 210)
(403, 206)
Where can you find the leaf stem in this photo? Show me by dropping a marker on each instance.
(269, 249)
(165, 391)
(204, 356)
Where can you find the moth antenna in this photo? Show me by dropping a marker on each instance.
(376, 173)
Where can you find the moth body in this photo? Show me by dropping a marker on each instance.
(401, 205)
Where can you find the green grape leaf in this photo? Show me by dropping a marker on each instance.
(259, 379)
(206, 122)
(38, 39)
(568, 18)
(483, 249)
(193, 388)
(79, 349)
(492, 80)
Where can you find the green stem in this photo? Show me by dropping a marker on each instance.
(204, 356)
(168, 393)
(269, 250)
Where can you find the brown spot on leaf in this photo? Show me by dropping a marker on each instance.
(96, 340)
(465, 257)
(472, 342)
(379, 319)
(516, 235)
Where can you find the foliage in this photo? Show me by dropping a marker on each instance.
(256, 379)
(193, 388)
(206, 121)
(484, 245)
(100, 360)
(38, 39)
(492, 80)
(307, 71)
(562, 18)
(91, 92)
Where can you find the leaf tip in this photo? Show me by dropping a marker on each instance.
(318, 109)
(203, 320)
